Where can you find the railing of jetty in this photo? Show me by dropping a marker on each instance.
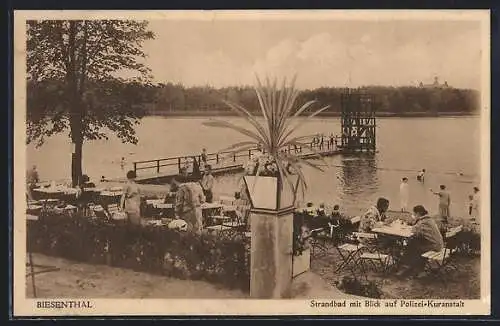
(230, 157)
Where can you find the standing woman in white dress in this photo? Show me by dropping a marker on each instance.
(131, 199)
(404, 194)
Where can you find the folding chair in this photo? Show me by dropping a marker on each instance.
(349, 253)
(319, 241)
(220, 219)
(220, 230)
(439, 262)
(111, 209)
(371, 252)
(243, 213)
(236, 222)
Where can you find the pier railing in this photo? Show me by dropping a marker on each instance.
(172, 165)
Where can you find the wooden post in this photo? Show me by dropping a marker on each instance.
(135, 167)
(157, 166)
(179, 164)
(217, 158)
(234, 157)
(249, 154)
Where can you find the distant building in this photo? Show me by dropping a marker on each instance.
(435, 84)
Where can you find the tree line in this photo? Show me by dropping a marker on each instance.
(175, 98)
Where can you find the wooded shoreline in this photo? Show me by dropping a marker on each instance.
(195, 114)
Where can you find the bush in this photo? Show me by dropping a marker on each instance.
(143, 248)
(354, 286)
(469, 242)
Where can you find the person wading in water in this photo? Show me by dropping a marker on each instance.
(444, 204)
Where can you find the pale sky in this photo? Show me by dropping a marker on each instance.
(322, 53)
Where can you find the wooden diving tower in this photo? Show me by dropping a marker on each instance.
(358, 123)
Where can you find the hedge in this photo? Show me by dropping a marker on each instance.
(222, 260)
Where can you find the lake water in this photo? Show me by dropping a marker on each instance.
(448, 148)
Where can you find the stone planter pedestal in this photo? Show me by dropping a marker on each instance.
(272, 238)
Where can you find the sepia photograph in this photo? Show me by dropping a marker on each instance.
(330, 162)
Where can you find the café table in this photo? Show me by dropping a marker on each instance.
(110, 197)
(108, 193)
(398, 234)
(48, 203)
(49, 193)
(395, 230)
(166, 210)
(34, 208)
(57, 192)
(205, 206)
(154, 201)
(31, 217)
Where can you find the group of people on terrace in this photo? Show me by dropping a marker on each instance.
(427, 232)
(189, 193)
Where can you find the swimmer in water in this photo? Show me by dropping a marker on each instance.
(421, 175)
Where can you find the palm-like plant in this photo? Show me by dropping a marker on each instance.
(277, 131)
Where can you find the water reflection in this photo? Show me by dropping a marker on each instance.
(357, 175)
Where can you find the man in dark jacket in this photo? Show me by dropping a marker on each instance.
(426, 237)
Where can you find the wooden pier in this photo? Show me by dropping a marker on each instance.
(161, 171)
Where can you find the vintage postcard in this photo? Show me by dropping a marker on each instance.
(311, 162)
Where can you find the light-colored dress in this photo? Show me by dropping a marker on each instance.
(404, 193)
(475, 206)
(133, 203)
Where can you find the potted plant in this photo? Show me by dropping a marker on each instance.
(273, 184)
(276, 168)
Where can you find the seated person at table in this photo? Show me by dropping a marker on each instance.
(337, 218)
(321, 210)
(426, 237)
(374, 216)
(32, 179)
(83, 196)
(320, 221)
(86, 183)
(339, 224)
